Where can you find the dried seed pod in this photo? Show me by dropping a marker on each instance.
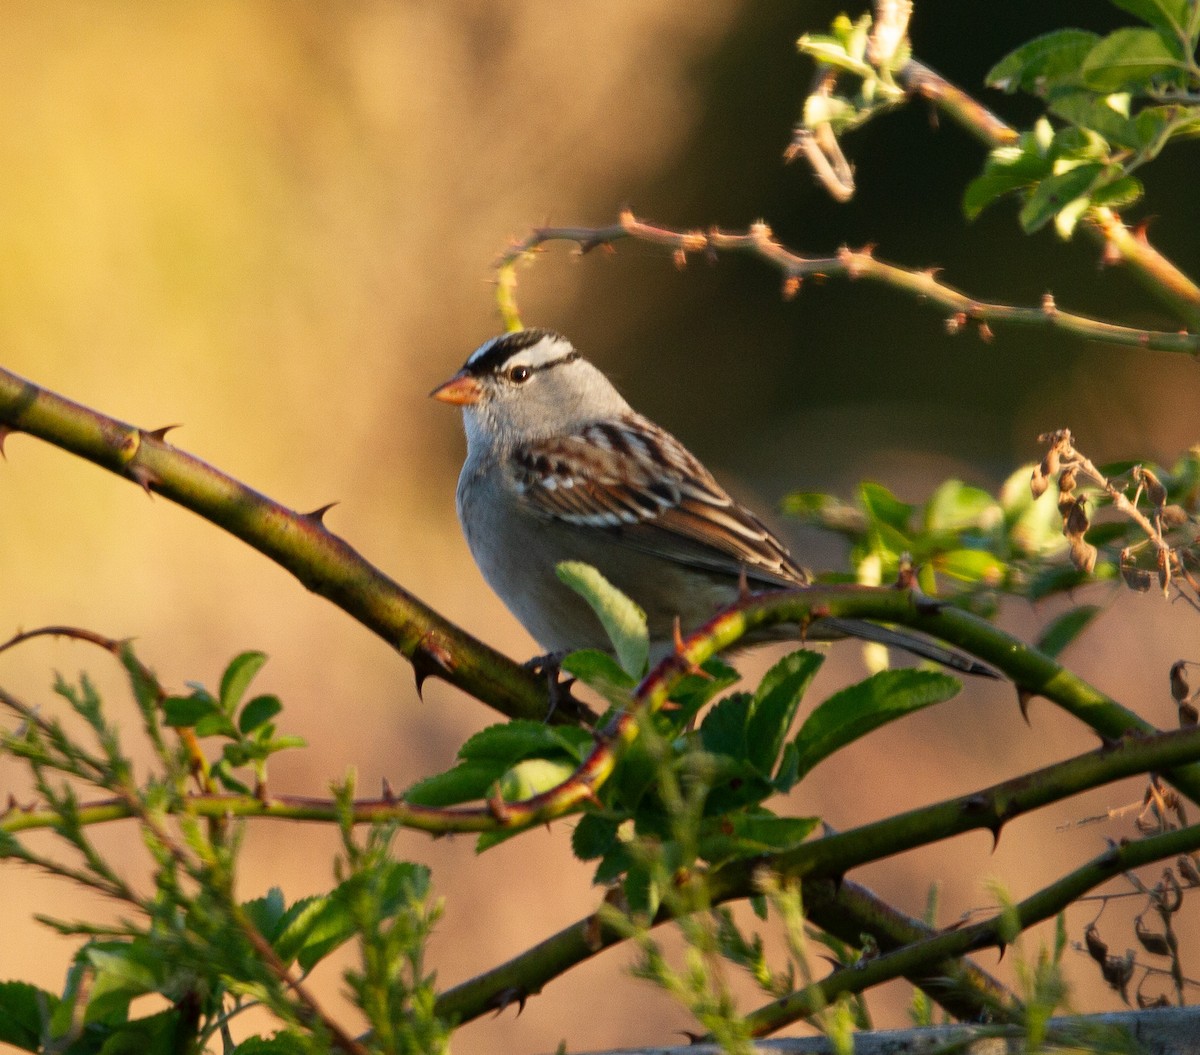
(1066, 480)
(1117, 972)
(1154, 488)
(1083, 555)
(1151, 940)
(1076, 519)
(1173, 516)
(1187, 868)
(1096, 947)
(1038, 482)
(1179, 683)
(1188, 716)
(1136, 578)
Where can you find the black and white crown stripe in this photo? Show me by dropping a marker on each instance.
(542, 348)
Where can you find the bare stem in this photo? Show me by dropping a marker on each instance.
(758, 241)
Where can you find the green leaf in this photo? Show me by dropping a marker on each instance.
(1055, 193)
(237, 677)
(258, 711)
(723, 731)
(594, 836)
(623, 621)
(956, 506)
(883, 507)
(267, 913)
(1128, 59)
(282, 1043)
(1085, 109)
(751, 834)
(186, 711)
(1007, 169)
(600, 671)
(825, 511)
(1171, 15)
(1043, 63)
(215, 724)
(971, 565)
(1066, 628)
(852, 713)
(327, 923)
(151, 1035)
(509, 742)
(21, 1007)
(466, 782)
(775, 704)
(533, 776)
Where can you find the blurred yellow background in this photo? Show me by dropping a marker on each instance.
(273, 223)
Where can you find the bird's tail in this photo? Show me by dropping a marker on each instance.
(909, 642)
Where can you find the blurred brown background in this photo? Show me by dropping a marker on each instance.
(273, 223)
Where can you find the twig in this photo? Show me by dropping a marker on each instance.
(759, 242)
(1157, 275)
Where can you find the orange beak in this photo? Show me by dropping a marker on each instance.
(462, 390)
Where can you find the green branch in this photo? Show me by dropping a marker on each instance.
(935, 953)
(298, 542)
(831, 857)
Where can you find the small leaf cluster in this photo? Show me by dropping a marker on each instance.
(967, 545)
(695, 780)
(845, 50)
(248, 727)
(188, 938)
(1114, 102)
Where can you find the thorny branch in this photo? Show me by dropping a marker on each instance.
(759, 242)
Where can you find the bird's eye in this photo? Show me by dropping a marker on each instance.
(519, 374)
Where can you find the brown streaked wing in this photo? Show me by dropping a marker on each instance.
(629, 476)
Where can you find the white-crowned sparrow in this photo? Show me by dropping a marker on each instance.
(559, 467)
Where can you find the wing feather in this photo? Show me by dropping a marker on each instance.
(630, 476)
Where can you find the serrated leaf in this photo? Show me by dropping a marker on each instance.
(466, 782)
(852, 713)
(1066, 628)
(623, 621)
(267, 913)
(1118, 193)
(282, 1043)
(21, 1007)
(594, 836)
(258, 711)
(237, 677)
(508, 742)
(775, 704)
(327, 923)
(1043, 63)
(723, 731)
(1056, 192)
(1129, 59)
(1086, 109)
(750, 834)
